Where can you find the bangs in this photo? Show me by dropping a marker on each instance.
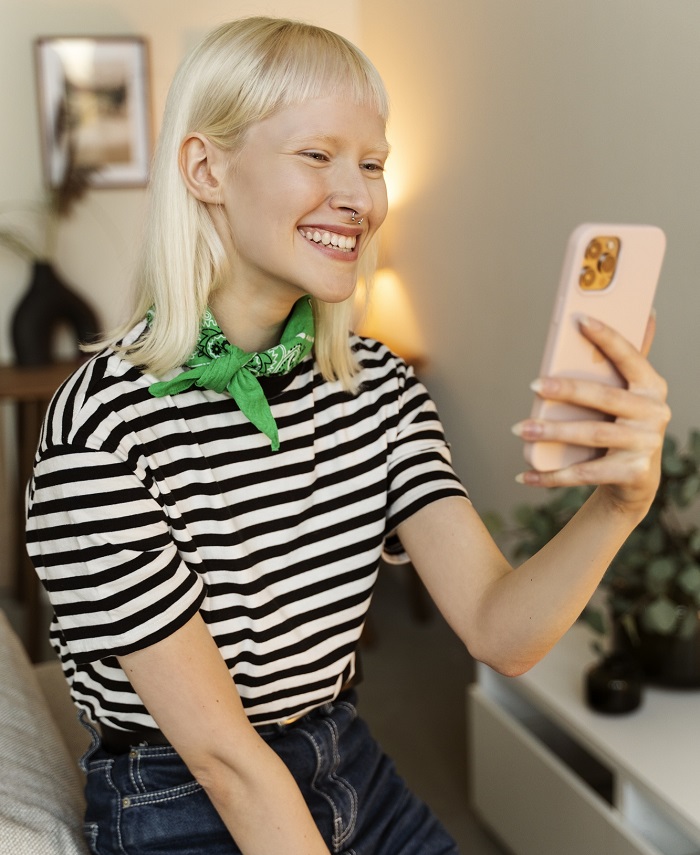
(297, 61)
(325, 65)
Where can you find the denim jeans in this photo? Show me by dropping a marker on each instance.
(146, 800)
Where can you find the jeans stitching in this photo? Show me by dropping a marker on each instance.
(94, 741)
(341, 836)
(319, 762)
(118, 816)
(169, 795)
(133, 773)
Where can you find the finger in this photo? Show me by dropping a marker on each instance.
(619, 468)
(634, 404)
(619, 434)
(629, 362)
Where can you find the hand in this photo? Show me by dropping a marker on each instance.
(630, 470)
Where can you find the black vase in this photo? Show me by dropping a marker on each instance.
(666, 660)
(48, 303)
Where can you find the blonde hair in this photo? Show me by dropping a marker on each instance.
(240, 74)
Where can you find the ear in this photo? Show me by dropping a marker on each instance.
(201, 164)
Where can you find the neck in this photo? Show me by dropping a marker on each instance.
(251, 326)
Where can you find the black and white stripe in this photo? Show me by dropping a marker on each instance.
(144, 510)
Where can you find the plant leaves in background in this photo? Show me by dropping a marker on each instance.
(660, 616)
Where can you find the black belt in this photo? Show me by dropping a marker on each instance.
(122, 741)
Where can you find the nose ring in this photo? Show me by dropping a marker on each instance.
(360, 221)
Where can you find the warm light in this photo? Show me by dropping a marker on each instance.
(390, 317)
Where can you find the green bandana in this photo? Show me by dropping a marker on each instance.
(219, 365)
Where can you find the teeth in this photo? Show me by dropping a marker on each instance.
(342, 242)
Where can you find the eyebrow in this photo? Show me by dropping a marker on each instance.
(331, 139)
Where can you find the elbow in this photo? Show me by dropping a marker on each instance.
(504, 661)
(213, 775)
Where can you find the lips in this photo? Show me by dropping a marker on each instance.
(344, 243)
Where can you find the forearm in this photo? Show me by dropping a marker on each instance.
(262, 806)
(523, 613)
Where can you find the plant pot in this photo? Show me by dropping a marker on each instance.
(666, 660)
(47, 303)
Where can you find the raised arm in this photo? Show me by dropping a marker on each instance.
(187, 688)
(511, 619)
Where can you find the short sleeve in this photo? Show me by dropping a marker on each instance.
(420, 464)
(101, 541)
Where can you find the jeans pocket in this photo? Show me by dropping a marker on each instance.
(175, 821)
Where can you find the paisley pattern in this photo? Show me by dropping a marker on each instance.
(221, 366)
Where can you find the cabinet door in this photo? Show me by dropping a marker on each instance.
(532, 801)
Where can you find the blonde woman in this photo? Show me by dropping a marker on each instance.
(213, 490)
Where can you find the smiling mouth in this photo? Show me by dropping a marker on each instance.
(345, 243)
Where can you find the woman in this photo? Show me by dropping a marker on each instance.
(213, 490)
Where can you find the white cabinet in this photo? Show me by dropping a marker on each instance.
(551, 777)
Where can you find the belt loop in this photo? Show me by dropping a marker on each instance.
(94, 744)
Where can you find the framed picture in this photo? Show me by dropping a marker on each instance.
(94, 109)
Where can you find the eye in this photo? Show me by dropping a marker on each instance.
(316, 155)
(373, 167)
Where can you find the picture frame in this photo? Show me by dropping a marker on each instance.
(94, 109)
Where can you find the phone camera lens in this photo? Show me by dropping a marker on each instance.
(587, 278)
(606, 263)
(594, 249)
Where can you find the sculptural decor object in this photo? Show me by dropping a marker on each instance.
(47, 304)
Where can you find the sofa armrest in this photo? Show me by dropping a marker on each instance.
(57, 697)
(41, 802)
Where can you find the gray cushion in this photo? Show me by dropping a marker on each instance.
(41, 803)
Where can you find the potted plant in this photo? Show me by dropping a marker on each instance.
(651, 591)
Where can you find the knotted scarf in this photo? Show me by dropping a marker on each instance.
(218, 365)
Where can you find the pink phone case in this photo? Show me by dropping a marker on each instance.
(610, 273)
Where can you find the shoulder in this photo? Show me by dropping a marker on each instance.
(377, 361)
(103, 391)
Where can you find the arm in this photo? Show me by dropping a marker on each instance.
(187, 688)
(511, 619)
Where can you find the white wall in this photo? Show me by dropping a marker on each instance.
(514, 120)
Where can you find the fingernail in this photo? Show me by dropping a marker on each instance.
(590, 323)
(528, 478)
(528, 429)
(544, 384)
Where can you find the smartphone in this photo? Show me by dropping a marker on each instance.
(610, 273)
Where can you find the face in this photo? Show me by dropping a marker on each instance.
(289, 195)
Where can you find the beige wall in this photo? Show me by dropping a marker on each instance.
(96, 246)
(515, 120)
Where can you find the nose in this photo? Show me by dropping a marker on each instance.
(351, 193)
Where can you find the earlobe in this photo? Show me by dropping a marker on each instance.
(198, 162)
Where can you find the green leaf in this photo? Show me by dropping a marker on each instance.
(694, 542)
(523, 515)
(688, 626)
(594, 618)
(671, 463)
(660, 616)
(493, 522)
(689, 579)
(690, 488)
(659, 574)
(655, 540)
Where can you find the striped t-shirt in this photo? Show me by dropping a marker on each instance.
(143, 511)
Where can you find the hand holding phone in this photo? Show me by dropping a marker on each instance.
(610, 273)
